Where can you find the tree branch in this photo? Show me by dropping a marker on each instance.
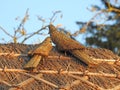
(52, 19)
(6, 32)
(34, 33)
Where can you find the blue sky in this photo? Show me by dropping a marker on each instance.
(72, 10)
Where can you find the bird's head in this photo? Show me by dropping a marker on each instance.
(48, 39)
(52, 28)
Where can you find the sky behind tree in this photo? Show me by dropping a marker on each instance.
(72, 10)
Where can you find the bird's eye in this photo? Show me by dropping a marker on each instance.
(50, 41)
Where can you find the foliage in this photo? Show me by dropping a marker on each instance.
(103, 29)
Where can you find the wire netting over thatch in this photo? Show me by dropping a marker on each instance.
(60, 71)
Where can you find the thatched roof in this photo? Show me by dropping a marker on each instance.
(60, 71)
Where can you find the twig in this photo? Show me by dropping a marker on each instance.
(87, 24)
(6, 32)
(6, 83)
(110, 8)
(23, 21)
(34, 33)
(26, 82)
(52, 19)
(86, 81)
(68, 86)
(115, 88)
(40, 79)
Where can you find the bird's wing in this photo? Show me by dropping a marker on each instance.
(62, 41)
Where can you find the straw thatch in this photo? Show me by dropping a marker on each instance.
(60, 71)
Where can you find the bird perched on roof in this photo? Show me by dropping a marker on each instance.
(65, 43)
(62, 41)
(37, 54)
(43, 49)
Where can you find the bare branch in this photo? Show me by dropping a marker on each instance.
(41, 19)
(6, 32)
(111, 8)
(83, 29)
(25, 18)
(34, 33)
(20, 31)
(53, 18)
(21, 27)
